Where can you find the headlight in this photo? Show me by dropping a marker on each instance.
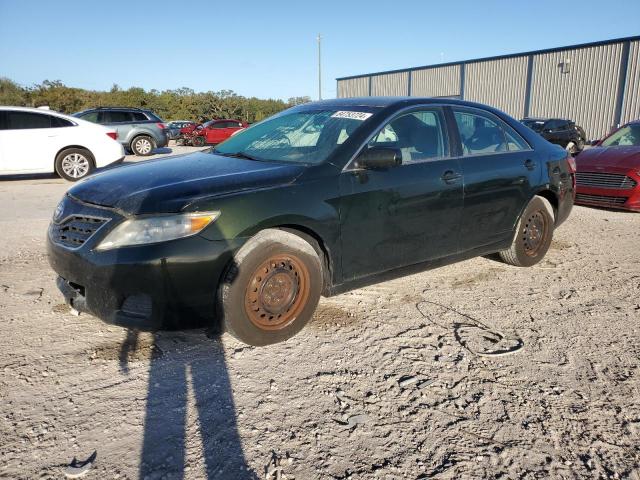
(143, 230)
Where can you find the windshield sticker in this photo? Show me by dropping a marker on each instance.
(362, 116)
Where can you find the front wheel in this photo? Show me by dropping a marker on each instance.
(74, 164)
(533, 235)
(271, 288)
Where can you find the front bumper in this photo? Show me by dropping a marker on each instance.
(618, 198)
(162, 286)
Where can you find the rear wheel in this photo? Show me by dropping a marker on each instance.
(533, 235)
(198, 141)
(271, 289)
(73, 164)
(142, 145)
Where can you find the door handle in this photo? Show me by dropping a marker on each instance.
(530, 164)
(450, 177)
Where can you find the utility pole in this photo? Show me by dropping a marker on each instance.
(319, 67)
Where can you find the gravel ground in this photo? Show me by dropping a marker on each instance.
(475, 370)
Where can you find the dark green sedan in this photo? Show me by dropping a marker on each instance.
(319, 199)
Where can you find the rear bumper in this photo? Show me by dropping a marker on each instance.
(162, 286)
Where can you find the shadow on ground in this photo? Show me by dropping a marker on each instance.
(179, 362)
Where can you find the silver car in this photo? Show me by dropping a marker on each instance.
(140, 131)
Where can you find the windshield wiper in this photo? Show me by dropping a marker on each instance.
(237, 155)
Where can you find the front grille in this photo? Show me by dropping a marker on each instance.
(75, 230)
(605, 180)
(600, 200)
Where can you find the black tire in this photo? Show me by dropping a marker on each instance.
(143, 145)
(533, 235)
(198, 141)
(271, 289)
(74, 164)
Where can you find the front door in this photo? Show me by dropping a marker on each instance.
(26, 142)
(405, 214)
(500, 171)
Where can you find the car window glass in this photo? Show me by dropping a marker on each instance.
(118, 117)
(218, 125)
(24, 120)
(479, 134)
(515, 142)
(626, 136)
(90, 117)
(420, 136)
(139, 117)
(307, 136)
(57, 122)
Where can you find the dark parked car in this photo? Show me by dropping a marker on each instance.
(559, 131)
(174, 127)
(609, 173)
(140, 131)
(319, 199)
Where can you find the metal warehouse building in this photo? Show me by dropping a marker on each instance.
(595, 84)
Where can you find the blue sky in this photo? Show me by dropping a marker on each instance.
(268, 48)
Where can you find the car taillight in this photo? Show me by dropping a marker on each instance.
(161, 126)
(572, 164)
(113, 135)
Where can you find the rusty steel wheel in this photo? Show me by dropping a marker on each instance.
(277, 292)
(271, 288)
(534, 233)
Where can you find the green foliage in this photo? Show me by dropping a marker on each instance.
(179, 104)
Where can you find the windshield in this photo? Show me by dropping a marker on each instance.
(535, 125)
(629, 135)
(300, 137)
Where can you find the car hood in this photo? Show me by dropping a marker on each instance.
(616, 157)
(169, 185)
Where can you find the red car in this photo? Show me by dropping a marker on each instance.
(609, 173)
(216, 131)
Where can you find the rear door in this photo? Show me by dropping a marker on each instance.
(406, 214)
(500, 172)
(120, 121)
(216, 132)
(26, 142)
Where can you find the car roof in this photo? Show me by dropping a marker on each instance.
(384, 102)
(36, 110)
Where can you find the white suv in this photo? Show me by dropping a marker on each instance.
(42, 141)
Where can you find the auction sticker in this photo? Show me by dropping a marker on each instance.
(362, 116)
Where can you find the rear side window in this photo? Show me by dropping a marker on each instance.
(139, 117)
(26, 120)
(117, 117)
(57, 122)
(479, 134)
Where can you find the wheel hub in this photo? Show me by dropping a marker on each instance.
(534, 233)
(277, 292)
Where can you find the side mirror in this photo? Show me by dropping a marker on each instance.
(593, 143)
(379, 158)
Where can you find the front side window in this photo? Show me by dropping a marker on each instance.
(626, 136)
(420, 136)
(479, 134)
(298, 137)
(26, 120)
(90, 117)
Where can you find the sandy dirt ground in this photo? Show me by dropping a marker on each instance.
(398, 380)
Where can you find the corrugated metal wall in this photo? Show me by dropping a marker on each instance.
(579, 83)
(499, 83)
(390, 84)
(586, 93)
(436, 82)
(353, 87)
(631, 105)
